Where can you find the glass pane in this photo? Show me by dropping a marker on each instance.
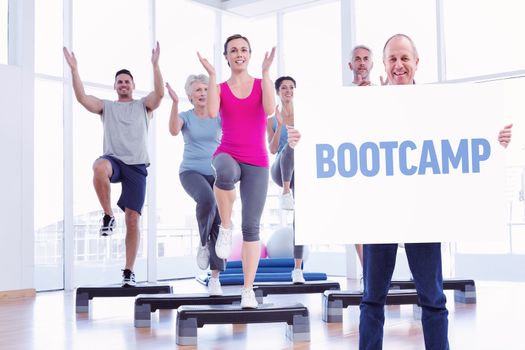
(179, 53)
(111, 35)
(49, 214)
(316, 61)
(378, 20)
(177, 232)
(98, 260)
(3, 30)
(490, 23)
(48, 37)
(510, 240)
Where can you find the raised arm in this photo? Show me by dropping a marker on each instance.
(91, 103)
(154, 98)
(268, 96)
(274, 136)
(214, 96)
(176, 121)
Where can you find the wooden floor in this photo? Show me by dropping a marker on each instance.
(49, 321)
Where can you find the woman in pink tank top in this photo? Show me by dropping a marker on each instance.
(244, 104)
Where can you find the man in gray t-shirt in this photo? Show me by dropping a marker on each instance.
(125, 157)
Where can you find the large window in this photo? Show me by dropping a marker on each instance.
(3, 30)
(49, 148)
(48, 37)
(49, 213)
(512, 239)
(107, 36)
(313, 56)
(262, 34)
(484, 37)
(111, 35)
(177, 232)
(378, 20)
(104, 41)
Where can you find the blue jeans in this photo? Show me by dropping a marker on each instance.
(424, 260)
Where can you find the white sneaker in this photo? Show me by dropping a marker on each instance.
(286, 201)
(203, 257)
(297, 276)
(248, 300)
(214, 286)
(223, 246)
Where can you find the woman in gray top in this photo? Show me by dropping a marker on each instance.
(201, 135)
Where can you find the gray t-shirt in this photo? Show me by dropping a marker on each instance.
(126, 131)
(201, 138)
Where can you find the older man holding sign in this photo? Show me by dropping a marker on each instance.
(421, 167)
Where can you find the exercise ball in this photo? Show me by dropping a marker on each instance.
(236, 253)
(236, 247)
(264, 251)
(280, 243)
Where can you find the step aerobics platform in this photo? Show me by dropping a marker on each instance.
(264, 289)
(464, 289)
(190, 318)
(145, 304)
(84, 295)
(334, 302)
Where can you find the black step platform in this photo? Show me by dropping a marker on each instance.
(464, 290)
(334, 302)
(263, 289)
(145, 304)
(189, 318)
(84, 295)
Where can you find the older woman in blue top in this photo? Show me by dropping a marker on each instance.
(201, 134)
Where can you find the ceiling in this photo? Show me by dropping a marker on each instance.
(255, 8)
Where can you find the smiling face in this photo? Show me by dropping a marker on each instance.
(238, 54)
(124, 86)
(400, 59)
(199, 94)
(286, 91)
(361, 63)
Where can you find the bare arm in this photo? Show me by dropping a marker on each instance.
(214, 93)
(268, 96)
(274, 136)
(176, 121)
(154, 98)
(91, 103)
(293, 136)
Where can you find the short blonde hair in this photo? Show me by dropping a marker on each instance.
(192, 78)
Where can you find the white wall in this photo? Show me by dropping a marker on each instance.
(13, 252)
(16, 147)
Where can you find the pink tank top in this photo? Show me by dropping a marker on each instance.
(243, 126)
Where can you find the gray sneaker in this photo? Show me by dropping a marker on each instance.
(203, 257)
(248, 300)
(223, 246)
(297, 276)
(214, 287)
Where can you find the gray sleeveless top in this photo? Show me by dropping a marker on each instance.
(126, 131)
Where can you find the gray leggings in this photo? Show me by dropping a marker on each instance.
(253, 188)
(283, 166)
(200, 188)
(283, 171)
